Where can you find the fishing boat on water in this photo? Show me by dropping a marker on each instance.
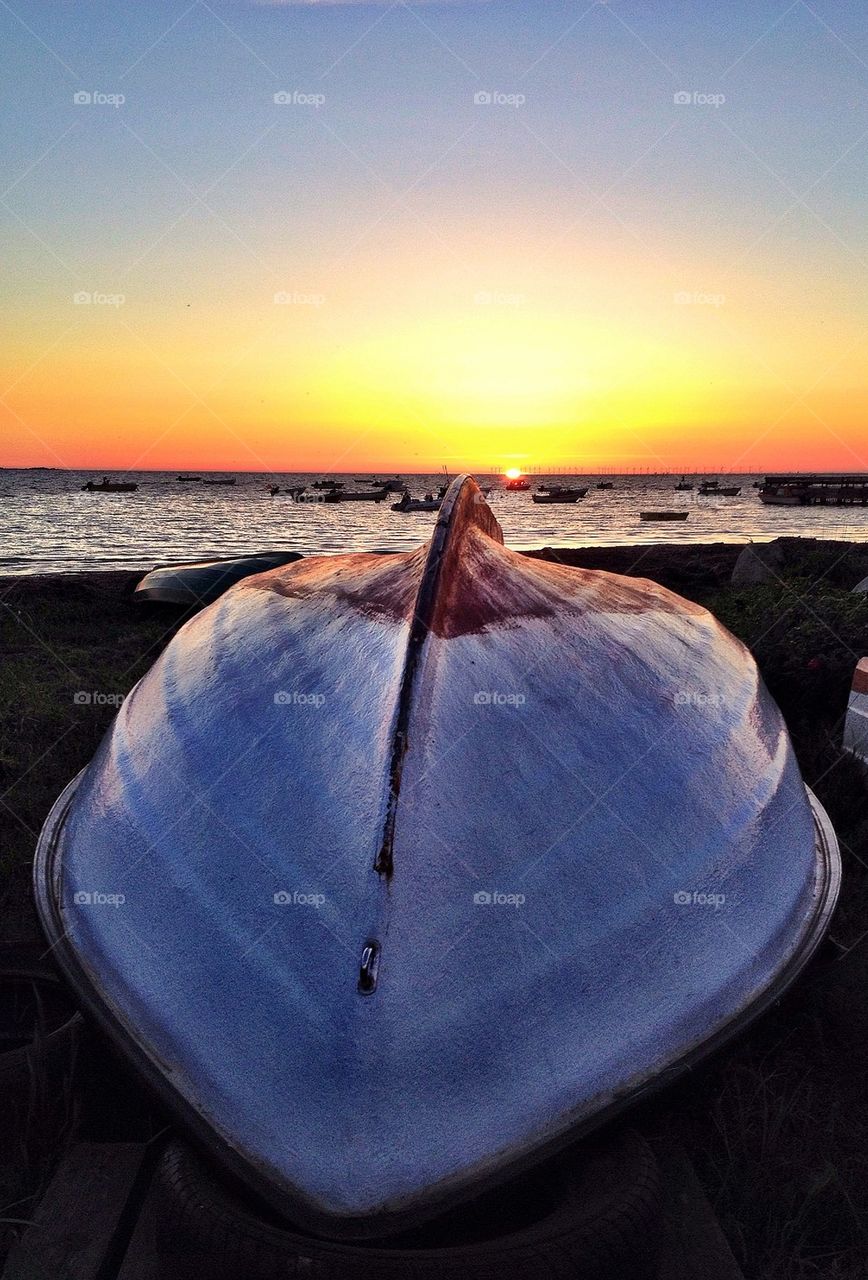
(605, 484)
(517, 484)
(110, 486)
(428, 503)
(555, 495)
(327, 497)
(293, 490)
(371, 980)
(189, 479)
(363, 495)
(329, 484)
(684, 485)
(714, 489)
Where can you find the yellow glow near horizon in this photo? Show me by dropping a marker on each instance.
(513, 473)
(589, 359)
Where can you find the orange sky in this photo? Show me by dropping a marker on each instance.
(400, 278)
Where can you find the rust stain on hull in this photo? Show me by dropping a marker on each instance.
(481, 585)
(463, 582)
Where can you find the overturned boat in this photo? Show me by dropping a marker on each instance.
(202, 581)
(397, 872)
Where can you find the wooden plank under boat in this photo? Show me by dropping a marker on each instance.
(395, 873)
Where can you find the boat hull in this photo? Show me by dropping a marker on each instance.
(202, 582)
(90, 487)
(772, 499)
(360, 886)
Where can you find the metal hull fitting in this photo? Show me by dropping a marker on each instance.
(395, 873)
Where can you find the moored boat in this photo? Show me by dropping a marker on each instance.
(363, 495)
(714, 489)
(189, 479)
(110, 486)
(517, 484)
(684, 485)
(329, 497)
(313, 961)
(408, 503)
(605, 484)
(559, 495)
(784, 496)
(663, 515)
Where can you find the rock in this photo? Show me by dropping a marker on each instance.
(761, 562)
(837, 564)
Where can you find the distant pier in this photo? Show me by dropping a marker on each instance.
(815, 490)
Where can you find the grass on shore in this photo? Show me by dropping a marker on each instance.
(776, 1123)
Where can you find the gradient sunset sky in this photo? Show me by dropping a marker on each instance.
(481, 234)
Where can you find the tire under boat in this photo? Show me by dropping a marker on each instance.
(395, 873)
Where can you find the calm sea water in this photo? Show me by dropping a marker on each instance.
(47, 524)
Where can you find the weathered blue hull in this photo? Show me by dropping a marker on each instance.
(203, 582)
(395, 872)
